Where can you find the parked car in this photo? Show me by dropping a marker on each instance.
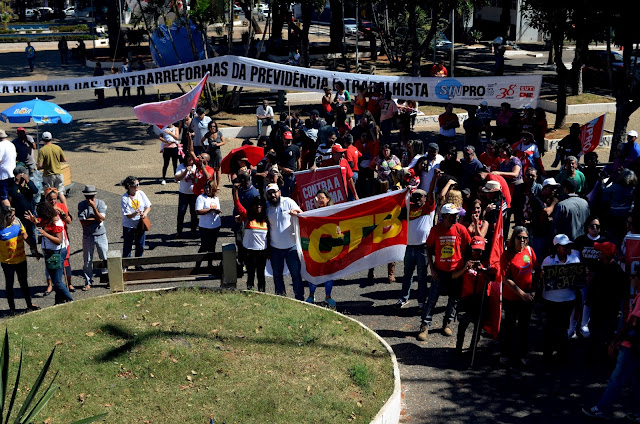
(442, 43)
(350, 27)
(595, 69)
(88, 12)
(70, 12)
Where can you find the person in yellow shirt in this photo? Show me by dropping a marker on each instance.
(50, 158)
(12, 256)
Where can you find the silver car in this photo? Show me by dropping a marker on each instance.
(350, 27)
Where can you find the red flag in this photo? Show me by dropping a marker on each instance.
(591, 134)
(494, 291)
(164, 113)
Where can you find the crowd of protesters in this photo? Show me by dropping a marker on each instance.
(498, 188)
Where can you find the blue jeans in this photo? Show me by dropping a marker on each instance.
(88, 243)
(289, 181)
(627, 368)
(278, 258)
(386, 126)
(260, 122)
(187, 201)
(328, 288)
(452, 288)
(415, 256)
(351, 195)
(56, 275)
(131, 236)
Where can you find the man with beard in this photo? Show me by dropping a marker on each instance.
(282, 239)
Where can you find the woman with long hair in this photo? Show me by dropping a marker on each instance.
(254, 237)
(322, 199)
(212, 141)
(518, 264)
(478, 226)
(51, 197)
(54, 247)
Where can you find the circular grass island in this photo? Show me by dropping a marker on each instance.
(184, 355)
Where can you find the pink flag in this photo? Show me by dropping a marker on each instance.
(170, 111)
(591, 134)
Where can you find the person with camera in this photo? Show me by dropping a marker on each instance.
(22, 195)
(92, 213)
(185, 176)
(25, 146)
(135, 207)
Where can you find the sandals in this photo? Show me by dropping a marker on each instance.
(47, 293)
(72, 289)
(86, 287)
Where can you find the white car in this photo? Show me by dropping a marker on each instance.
(350, 27)
(70, 12)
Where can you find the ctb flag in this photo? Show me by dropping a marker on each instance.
(340, 240)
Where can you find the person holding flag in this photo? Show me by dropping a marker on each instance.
(445, 246)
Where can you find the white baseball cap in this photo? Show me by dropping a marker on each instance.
(273, 186)
(449, 209)
(550, 181)
(632, 133)
(46, 135)
(561, 239)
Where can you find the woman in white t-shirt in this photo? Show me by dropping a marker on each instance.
(135, 206)
(185, 176)
(558, 303)
(170, 140)
(208, 210)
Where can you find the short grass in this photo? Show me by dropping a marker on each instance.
(584, 98)
(181, 356)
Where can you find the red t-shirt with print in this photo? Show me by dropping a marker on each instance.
(473, 282)
(518, 268)
(199, 179)
(448, 245)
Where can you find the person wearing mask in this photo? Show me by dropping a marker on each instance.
(558, 303)
(518, 263)
(446, 244)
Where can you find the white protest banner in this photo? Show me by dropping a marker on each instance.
(518, 90)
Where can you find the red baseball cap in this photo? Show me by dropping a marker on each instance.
(608, 248)
(21, 129)
(477, 242)
(287, 135)
(336, 148)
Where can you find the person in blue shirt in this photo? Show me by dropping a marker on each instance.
(31, 55)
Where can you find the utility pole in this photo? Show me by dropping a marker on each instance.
(357, 32)
(453, 31)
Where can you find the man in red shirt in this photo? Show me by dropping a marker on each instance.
(438, 70)
(446, 244)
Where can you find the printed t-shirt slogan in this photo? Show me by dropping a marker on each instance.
(518, 90)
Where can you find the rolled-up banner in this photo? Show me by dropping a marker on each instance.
(340, 240)
(517, 90)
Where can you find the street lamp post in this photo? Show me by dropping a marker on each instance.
(453, 30)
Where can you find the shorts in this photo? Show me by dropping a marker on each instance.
(4, 189)
(54, 180)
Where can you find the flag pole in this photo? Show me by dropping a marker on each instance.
(476, 330)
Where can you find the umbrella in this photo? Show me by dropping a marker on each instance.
(254, 154)
(40, 111)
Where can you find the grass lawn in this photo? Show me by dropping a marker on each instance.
(582, 99)
(181, 356)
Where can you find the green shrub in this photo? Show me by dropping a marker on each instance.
(71, 28)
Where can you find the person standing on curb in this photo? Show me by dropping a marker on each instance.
(50, 158)
(63, 48)
(282, 240)
(447, 242)
(92, 213)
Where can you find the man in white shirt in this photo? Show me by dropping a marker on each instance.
(429, 166)
(282, 239)
(8, 156)
(199, 126)
(265, 115)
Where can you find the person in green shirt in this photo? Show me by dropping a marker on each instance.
(50, 158)
(570, 170)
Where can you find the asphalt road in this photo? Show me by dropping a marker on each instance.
(105, 144)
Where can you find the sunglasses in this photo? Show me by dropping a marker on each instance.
(594, 226)
(523, 238)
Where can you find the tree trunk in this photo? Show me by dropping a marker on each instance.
(415, 42)
(561, 114)
(304, 39)
(550, 58)
(505, 18)
(279, 12)
(230, 29)
(336, 30)
(116, 41)
(627, 98)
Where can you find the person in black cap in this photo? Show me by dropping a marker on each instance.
(22, 194)
(92, 213)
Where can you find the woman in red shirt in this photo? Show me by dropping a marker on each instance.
(518, 263)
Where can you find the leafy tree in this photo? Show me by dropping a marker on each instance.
(6, 13)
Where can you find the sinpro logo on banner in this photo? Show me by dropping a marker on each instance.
(449, 88)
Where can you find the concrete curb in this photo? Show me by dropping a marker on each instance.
(390, 411)
(576, 109)
(552, 144)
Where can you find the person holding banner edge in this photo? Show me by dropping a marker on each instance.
(322, 199)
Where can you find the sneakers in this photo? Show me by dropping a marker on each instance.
(401, 302)
(330, 303)
(584, 332)
(424, 330)
(571, 333)
(447, 330)
(311, 299)
(163, 182)
(594, 412)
